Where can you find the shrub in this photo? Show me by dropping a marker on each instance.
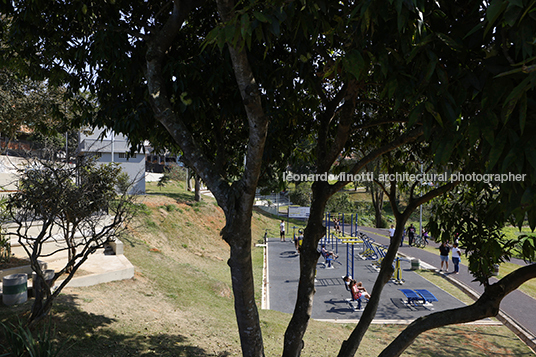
(340, 202)
(301, 196)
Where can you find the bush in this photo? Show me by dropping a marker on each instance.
(340, 202)
(175, 173)
(22, 342)
(5, 248)
(301, 196)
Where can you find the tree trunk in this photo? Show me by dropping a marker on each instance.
(189, 181)
(350, 346)
(42, 303)
(377, 203)
(237, 199)
(309, 254)
(197, 195)
(237, 233)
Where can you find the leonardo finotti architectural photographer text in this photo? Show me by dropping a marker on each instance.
(405, 177)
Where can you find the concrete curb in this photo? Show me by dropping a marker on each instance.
(403, 322)
(125, 272)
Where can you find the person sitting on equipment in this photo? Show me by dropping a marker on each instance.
(326, 253)
(357, 289)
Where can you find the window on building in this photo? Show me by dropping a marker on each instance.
(126, 155)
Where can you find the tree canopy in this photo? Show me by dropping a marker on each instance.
(434, 81)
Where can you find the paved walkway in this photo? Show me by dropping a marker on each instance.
(330, 301)
(518, 310)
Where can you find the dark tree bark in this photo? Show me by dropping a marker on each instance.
(237, 199)
(377, 203)
(197, 194)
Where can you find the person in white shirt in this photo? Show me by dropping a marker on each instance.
(282, 231)
(392, 231)
(456, 257)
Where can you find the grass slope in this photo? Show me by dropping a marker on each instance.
(180, 301)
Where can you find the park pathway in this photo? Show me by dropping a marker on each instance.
(517, 305)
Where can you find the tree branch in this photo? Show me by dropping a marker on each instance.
(158, 45)
(401, 140)
(487, 305)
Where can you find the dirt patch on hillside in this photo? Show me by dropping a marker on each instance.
(139, 320)
(156, 200)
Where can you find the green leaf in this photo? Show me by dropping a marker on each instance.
(497, 149)
(244, 25)
(473, 30)
(493, 12)
(523, 112)
(275, 28)
(527, 249)
(260, 16)
(431, 66)
(417, 48)
(445, 155)
(528, 197)
(229, 33)
(511, 101)
(353, 63)
(530, 154)
(415, 115)
(431, 109)
(531, 217)
(448, 40)
(512, 14)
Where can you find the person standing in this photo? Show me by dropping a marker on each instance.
(444, 255)
(282, 231)
(299, 241)
(456, 257)
(411, 234)
(392, 231)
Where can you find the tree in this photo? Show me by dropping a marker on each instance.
(378, 75)
(376, 194)
(165, 87)
(35, 106)
(80, 204)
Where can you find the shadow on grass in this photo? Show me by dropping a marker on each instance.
(86, 334)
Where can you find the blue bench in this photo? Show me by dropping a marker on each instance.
(412, 296)
(419, 297)
(426, 295)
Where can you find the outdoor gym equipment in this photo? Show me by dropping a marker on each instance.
(397, 275)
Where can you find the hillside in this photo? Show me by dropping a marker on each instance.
(180, 301)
